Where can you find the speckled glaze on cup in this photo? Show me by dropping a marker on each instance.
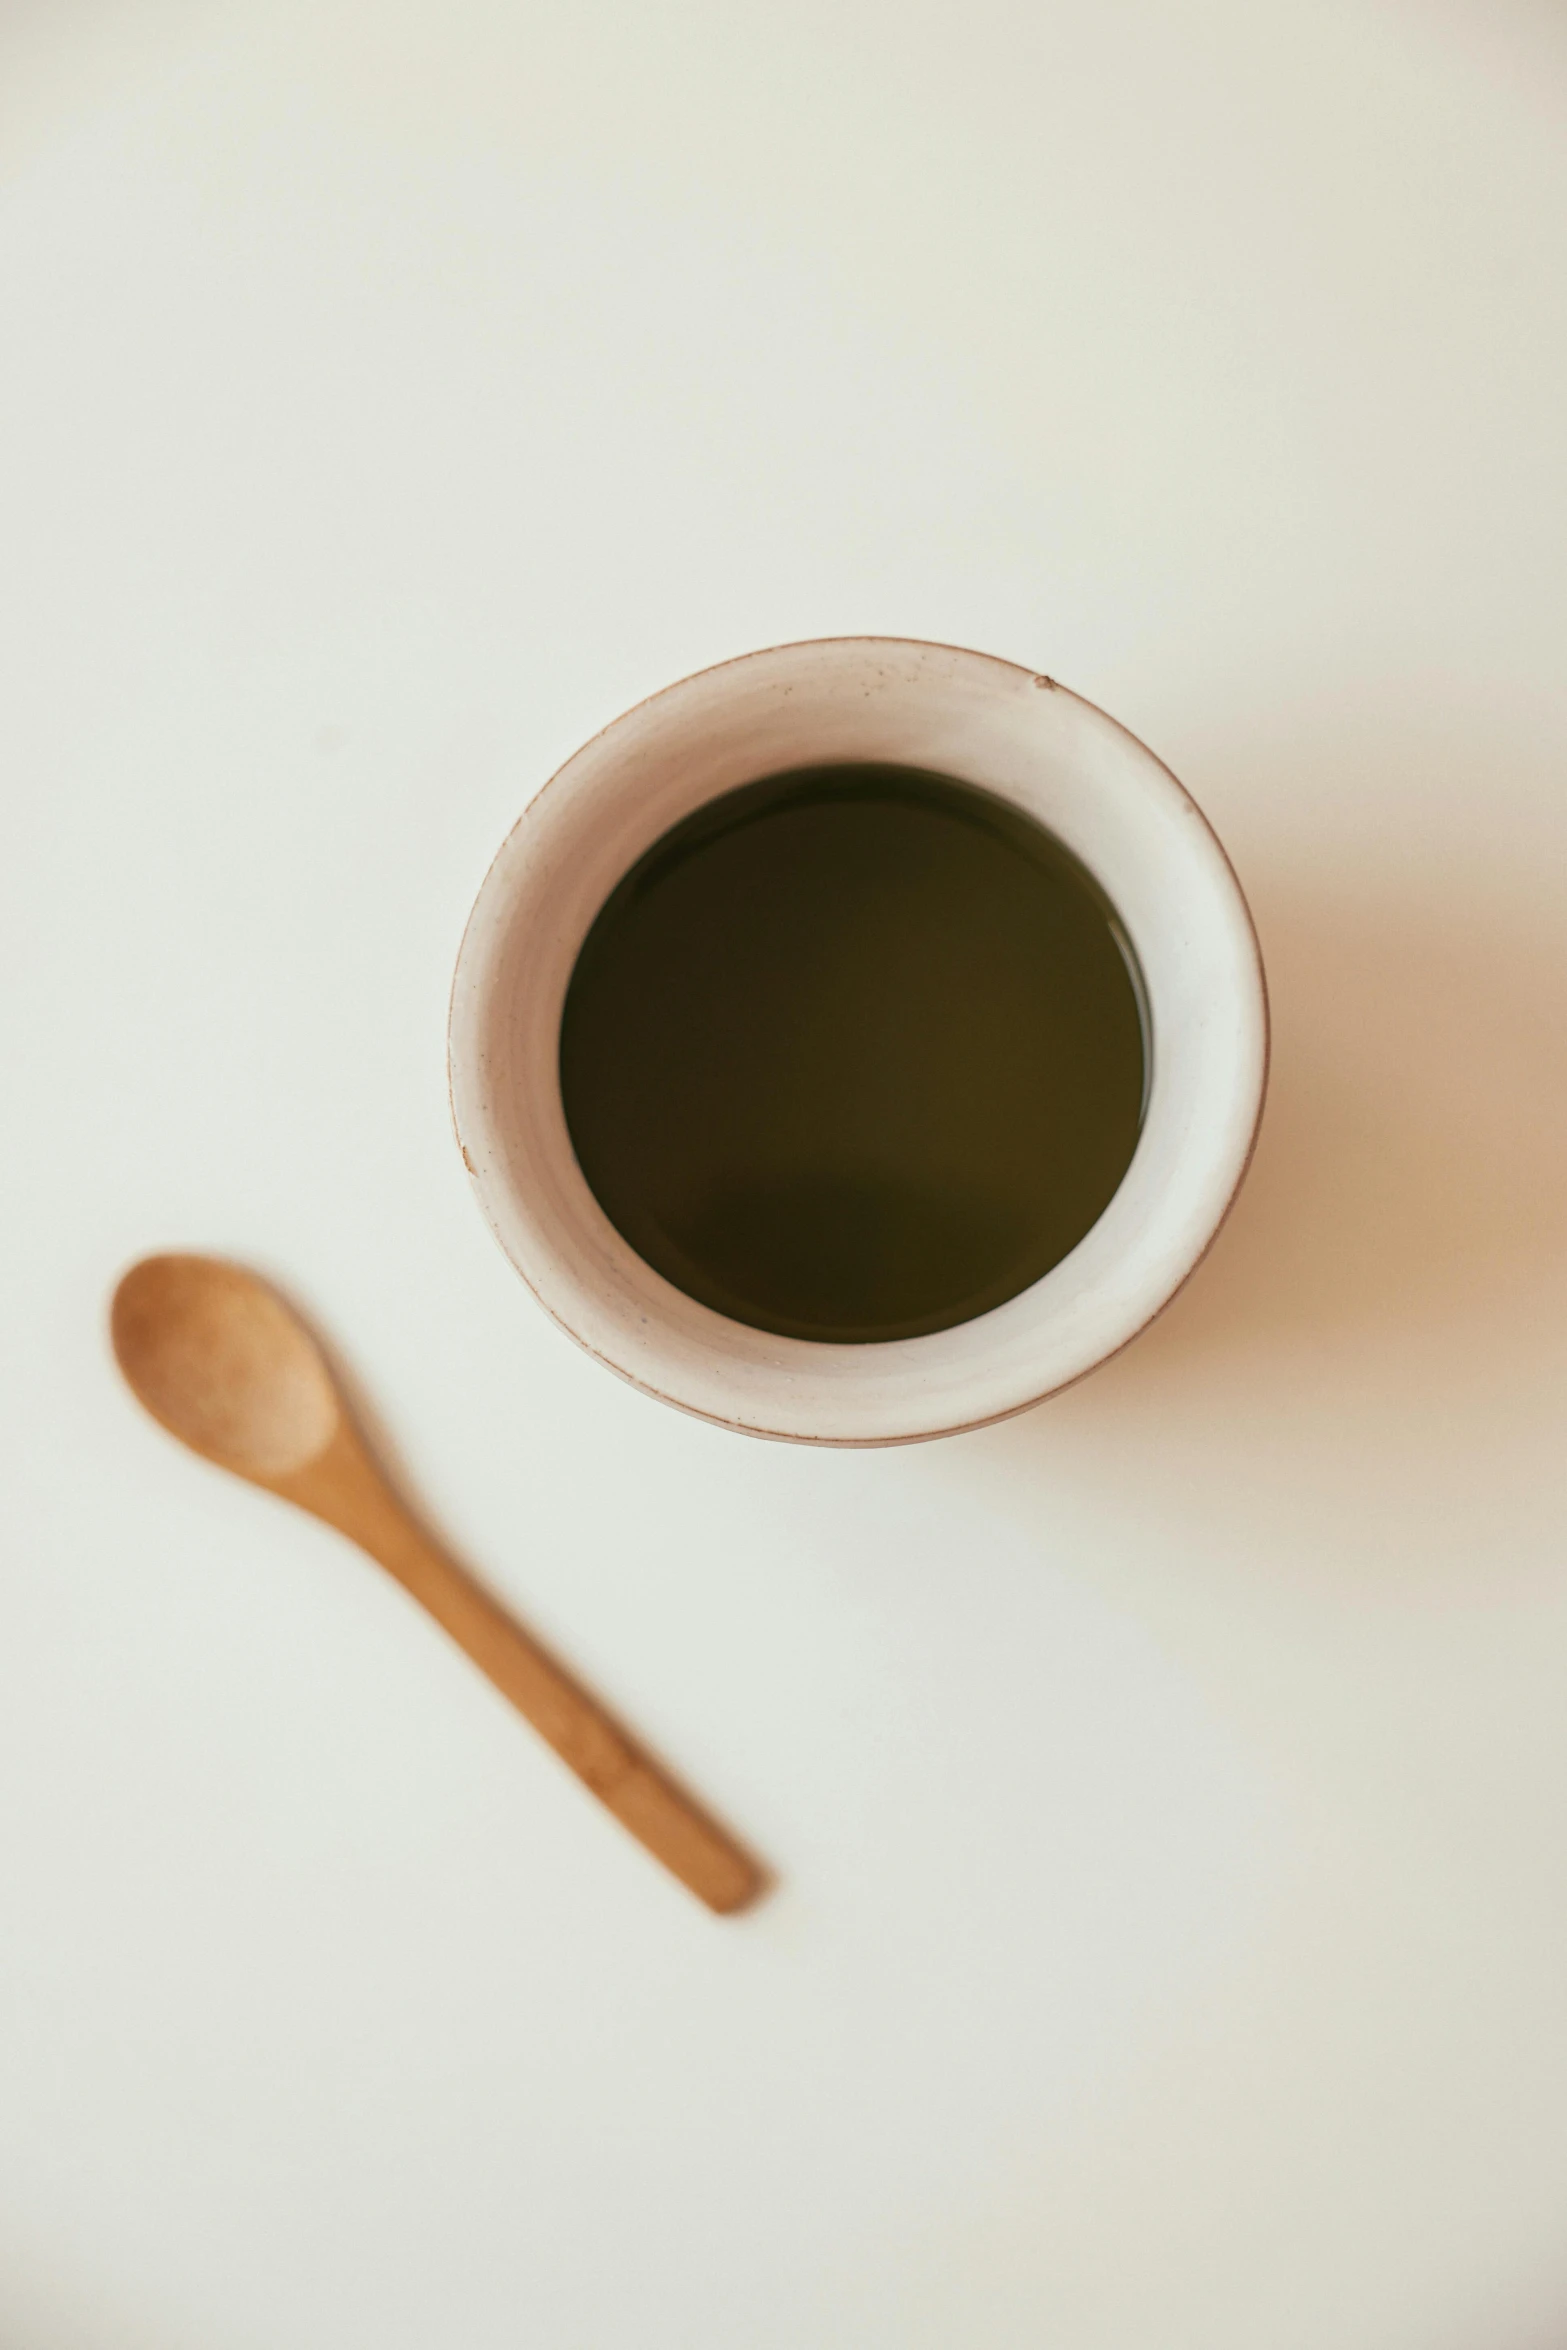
(986, 722)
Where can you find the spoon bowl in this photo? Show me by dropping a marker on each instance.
(221, 1362)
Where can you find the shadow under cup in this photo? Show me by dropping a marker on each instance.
(881, 1096)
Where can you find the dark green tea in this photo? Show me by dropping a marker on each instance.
(854, 1053)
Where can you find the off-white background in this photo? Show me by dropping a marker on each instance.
(1168, 1791)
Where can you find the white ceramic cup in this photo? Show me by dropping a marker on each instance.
(986, 722)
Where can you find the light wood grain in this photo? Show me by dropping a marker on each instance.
(222, 1363)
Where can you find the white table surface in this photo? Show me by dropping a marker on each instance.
(1168, 1790)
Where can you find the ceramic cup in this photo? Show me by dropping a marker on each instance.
(986, 722)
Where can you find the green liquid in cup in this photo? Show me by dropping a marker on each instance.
(854, 1053)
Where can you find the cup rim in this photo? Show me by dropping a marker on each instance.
(772, 1388)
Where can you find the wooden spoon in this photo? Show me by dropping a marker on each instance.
(229, 1369)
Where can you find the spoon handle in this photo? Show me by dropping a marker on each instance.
(342, 1487)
